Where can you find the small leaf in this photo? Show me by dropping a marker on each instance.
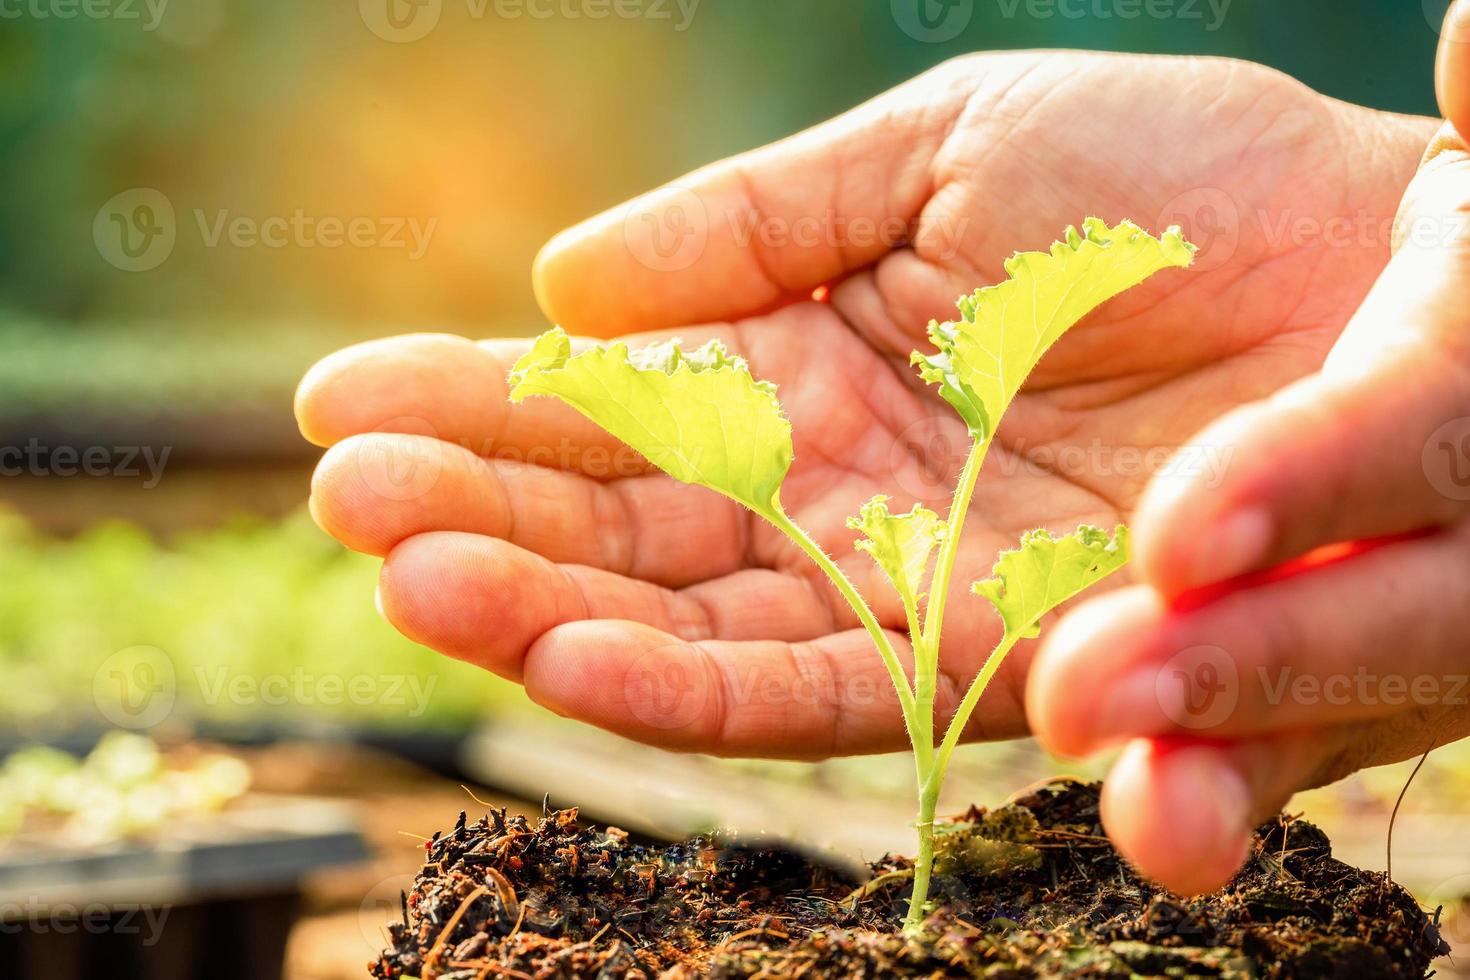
(1045, 572)
(1004, 330)
(697, 415)
(900, 544)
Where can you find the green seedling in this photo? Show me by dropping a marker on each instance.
(701, 417)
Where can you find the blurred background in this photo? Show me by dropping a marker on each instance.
(198, 198)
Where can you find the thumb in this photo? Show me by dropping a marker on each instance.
(1350, 452)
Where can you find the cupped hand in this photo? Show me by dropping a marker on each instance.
(525, 540)
(1231, 693)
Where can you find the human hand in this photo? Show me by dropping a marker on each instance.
(1231, 698)
(529, 543)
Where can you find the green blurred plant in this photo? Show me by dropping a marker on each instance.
(253, 600)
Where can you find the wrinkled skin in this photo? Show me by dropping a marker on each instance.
(670, 615)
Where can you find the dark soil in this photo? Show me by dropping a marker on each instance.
(1032, 889)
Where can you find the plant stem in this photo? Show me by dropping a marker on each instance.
(926, 642)
(924, 863)
(949, 548)
(859, 606)
(972, 697)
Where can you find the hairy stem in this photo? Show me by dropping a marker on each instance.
(949, 548)
(924, 863)
(967, 706)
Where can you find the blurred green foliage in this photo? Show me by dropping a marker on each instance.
(252, 623)
(501, 129)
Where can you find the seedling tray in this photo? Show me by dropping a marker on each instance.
(212, 897)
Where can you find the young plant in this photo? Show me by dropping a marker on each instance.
(702, 418)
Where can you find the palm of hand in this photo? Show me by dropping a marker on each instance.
(1136, 381)
(1029, 144)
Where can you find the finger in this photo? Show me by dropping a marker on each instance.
(486, 601)
(1182, 811)
(456, 390)
(1452, 67)
(1308, 650)
(452, 389)
(374, 491)
(743, 235)
(1354, 451)
(760, 699)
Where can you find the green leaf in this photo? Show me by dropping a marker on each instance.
(697, 415)
(1004, 330)
(1045, 572)
(901, 545)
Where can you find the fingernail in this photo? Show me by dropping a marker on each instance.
(1238, 544)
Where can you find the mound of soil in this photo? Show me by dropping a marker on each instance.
(1032, 889)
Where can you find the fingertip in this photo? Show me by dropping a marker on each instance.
(547, 279)
(1180, 813)
(470, 597)
(391, 384)
(1081, 659)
